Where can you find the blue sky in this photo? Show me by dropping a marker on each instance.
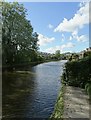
(61, 26)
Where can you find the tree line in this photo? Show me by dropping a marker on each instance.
(19, 41)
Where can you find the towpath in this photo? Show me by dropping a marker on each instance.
(76, 103)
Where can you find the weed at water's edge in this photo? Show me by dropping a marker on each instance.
(59, 106)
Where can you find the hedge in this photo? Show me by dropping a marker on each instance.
(78, 73)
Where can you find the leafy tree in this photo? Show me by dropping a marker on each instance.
(74, 57)
(19, 43)
(87, 53)
(57, 54)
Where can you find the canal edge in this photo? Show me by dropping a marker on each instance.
(59, 105)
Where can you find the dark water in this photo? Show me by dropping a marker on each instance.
(32, 93)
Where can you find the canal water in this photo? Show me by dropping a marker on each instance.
(31, 93)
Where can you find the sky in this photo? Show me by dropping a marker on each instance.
(61, 26)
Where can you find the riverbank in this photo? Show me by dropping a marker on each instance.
(72, 102)
(19, 66)
(76, 97)
(59, 105)
(23, 65)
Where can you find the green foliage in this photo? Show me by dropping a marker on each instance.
(77, 73)
(74, 57)
(19, 43)
(40, 58)
(86, 86)
(70, 58)
(88, 89)
(88, 53)
(59, 106)
(57, 54)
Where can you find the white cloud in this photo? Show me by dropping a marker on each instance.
(90, 12)
(79, 38)
(61, 48)
(82, 38)
(63, 38)
(65, 51)
(81, 4)
(52, 49)
(75, 33)
(70, 38)
(68, 45)
(77, 22)
(43, 40)
(50, 26)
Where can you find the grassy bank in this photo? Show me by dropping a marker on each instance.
(59, 105)
(24, 66)
(19, 66)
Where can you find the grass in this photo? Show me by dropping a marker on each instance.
(59, 106)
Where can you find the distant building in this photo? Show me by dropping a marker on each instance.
(81, 54)
(68, 54)
(88, 49)
(46, 55)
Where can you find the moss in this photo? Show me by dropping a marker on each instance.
(18, 73)
(86, 86)
(59, 106)
(88, 90)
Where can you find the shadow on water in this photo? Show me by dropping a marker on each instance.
(31, 93)
(17, 87)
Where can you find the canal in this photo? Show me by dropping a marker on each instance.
(31, 93)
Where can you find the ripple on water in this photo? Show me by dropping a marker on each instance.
(32, 93)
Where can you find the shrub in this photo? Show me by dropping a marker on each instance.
(89, 90)
(78, 73)
(86, 86)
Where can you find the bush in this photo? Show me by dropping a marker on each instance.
(89, 90)
(86, 86)
(78, 73)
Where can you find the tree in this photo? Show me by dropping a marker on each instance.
(57, 54)
(87, 53)
(19, 42)
(74, 57)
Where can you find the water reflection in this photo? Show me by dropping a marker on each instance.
(16, 89)
(31, 93)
